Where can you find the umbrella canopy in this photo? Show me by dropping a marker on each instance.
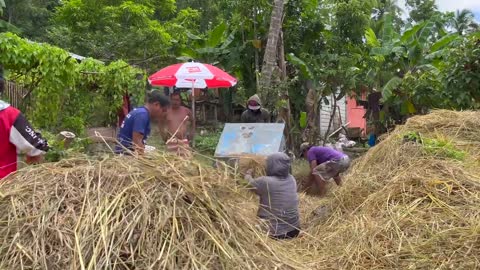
(192, 75)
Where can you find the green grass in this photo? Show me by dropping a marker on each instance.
(439, 146)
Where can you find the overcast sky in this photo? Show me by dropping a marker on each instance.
(452, 5)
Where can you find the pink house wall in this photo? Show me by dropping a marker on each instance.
(355, 115)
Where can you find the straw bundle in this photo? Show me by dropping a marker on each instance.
(256, 163)
(160, 212)
(403, 207)
(301, 172)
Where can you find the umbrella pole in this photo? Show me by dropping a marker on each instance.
(194, 126)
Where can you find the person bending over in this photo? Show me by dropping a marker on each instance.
(135, 129)
(325, 163)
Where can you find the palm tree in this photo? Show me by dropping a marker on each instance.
(387, 7)
(390, 6)
(464, 22)
(270, 58)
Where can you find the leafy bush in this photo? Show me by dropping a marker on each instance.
(207, 144)
(74, 124)
(67, 94)
(57, 147)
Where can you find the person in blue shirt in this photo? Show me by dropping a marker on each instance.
(135, 129)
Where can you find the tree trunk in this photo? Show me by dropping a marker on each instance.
(311, 108)
(283, 76)
(255, 37)
(270, 57)
(282, 64)
(332, 116)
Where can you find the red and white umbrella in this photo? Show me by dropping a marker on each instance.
(192, 75)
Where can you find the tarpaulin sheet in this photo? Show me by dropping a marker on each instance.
(255, 139)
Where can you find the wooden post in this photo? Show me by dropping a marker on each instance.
(66, 137)
(194, 120)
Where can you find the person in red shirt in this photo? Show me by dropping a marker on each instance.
(17, 136)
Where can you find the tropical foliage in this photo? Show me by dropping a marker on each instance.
(64, 93)
(428, 60)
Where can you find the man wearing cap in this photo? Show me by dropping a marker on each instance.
(325, 163)
(255, 113)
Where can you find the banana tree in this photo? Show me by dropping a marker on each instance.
(214, 46)
(396, 56)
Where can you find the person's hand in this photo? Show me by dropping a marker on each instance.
(33, 160)
(338, 180)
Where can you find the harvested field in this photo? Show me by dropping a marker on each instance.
(412, 202)
(406, 204)
(160, 212)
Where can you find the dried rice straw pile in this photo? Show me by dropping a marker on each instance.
(160, 212)
(406, 205)
(257, 163)
(301, 172)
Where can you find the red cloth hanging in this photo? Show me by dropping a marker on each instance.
(125, 109)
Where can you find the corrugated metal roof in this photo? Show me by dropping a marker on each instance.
(76, 56)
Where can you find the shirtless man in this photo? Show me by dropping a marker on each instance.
(175, 115)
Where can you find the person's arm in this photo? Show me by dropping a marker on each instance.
(244, 118)
(316, 177)
(140, 125)
(338, 180)
(256, 184)
(138, 145)
(27, 140)
(313, 165)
